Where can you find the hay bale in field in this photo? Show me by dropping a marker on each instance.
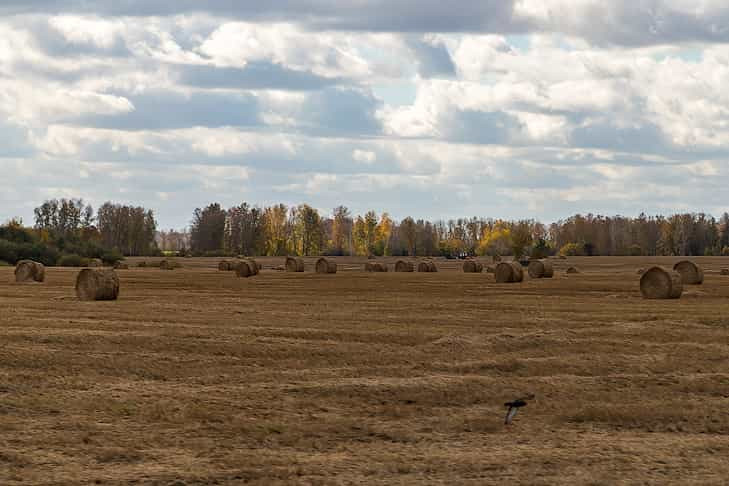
(121, 266)
(246, 268)
(691, 274)
(92, 284)
(572, 270)
(294, 264)
(472, 266)
(95, 263)
(325, 266)
(660, 283)
(403, 266)
(142, 264)
(540, 269)
(724, 271)
(225, 266)
(375, 267)
(29, 271)
(427, 267)
(168, 264)
(509, 272)
(257, 267)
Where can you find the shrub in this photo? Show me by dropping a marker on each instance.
(541, 249)
(72, 261)
(111, 257)
(572, 249)
(725, 251)
(3, 263)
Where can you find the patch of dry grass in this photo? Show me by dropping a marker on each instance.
(197, 377)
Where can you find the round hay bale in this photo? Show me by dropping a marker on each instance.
(403, 266)
(294, 264)
(572, 270)
(472, 266)
(95, 263)
(97, 284)
(225, 266)
(427, 267)
(375, 267)
(167, 265)
(325, 266)
(246, 268)
(29, 271)
(509, 272)
(540, 269)
(121, 266)
(691, 274)
(142, 264)
(724, 271)
(660, 283)
(255, 266)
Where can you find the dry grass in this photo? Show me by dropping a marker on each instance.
(198, 377)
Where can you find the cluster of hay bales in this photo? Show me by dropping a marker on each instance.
(427, 267)
(540, 269)
(97, 284)
(294, 264)
(247, 268)
(403, 266)
(691, 274)
(325, 266)
(508, 272)
(375, 267)
(29, 271)
(472, 266)
(660, 283)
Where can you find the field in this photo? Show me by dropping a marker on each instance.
(197, 377)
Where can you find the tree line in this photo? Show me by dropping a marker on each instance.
(69, 232)
(301, 230)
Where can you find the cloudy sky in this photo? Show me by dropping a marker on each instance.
(501, 108)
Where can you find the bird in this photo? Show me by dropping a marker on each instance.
(514, 406)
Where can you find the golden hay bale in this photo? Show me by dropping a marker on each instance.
(509, 272)
(403, 266)
(29, 271)
(659, 283)
(724, 271)
(95, 263)
(691, 274)
(294, 264)
(168, 265)
(325, 266)
(121, 266)
(540, 269)
(246, 268)
(572, 270)
(375, 267)
(472, 266)
(427, 267)
(97, 284)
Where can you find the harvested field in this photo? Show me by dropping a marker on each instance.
(198, 377)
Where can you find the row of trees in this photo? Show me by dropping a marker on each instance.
(68, 230)
(302, 230)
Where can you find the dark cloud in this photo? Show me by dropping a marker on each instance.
(167, 110)
(256, 75)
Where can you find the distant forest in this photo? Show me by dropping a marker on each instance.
(69, 232)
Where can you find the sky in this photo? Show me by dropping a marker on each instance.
(495, 108)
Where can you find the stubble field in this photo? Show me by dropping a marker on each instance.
(197, 377)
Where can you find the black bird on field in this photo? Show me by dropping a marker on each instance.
(514, 407)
